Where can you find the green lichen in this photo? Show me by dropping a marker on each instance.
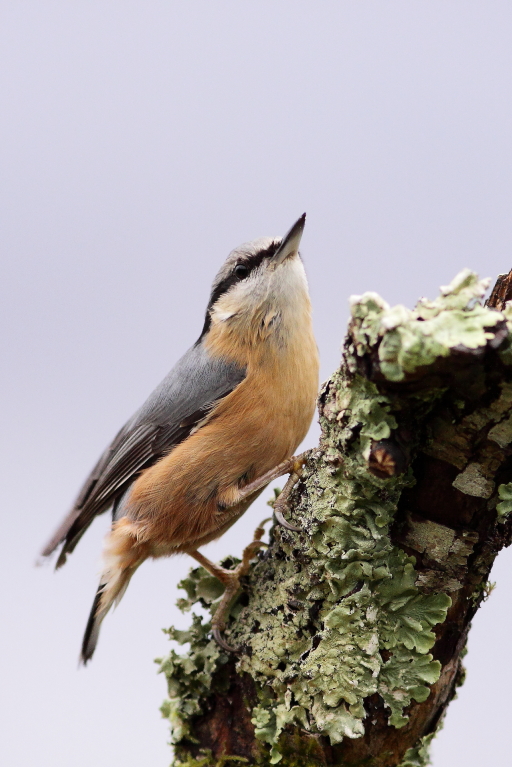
(189, 676)
(453, 319)
(419, 755)
(504, 508)
(335, 613)
(483, 591)
(208, 761)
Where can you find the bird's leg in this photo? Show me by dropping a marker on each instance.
(291, 466)
(231, 581)
(231, 578)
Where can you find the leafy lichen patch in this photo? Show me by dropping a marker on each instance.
(418, 756)
(413, 339)
(338, 613)
(504, 507)
(189, 677)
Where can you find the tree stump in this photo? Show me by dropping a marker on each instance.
(351, 631)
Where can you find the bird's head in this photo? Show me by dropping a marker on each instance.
(259, 289)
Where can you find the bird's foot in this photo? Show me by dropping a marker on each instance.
(281, 502)
(231, 581)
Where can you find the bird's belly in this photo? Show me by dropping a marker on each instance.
(175, 503)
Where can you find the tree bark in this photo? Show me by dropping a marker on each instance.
(351, 632)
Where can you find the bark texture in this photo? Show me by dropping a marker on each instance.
(352, 631)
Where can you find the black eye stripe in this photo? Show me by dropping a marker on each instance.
(232, 279)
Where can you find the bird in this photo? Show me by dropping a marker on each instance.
(222, 424)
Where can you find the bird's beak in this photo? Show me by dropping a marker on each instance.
(290, 243)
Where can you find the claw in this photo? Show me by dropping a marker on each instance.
(217, 635)
(282, 498)
(282, 521)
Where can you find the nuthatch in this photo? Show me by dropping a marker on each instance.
(222, 425)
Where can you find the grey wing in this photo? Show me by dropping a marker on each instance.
(167, 417)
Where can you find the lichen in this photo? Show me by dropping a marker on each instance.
(454, 319)
(209, 761)
(189, 676)
(483, 591)
(418, 756)
(472, 481)
(336, 613)
(504, 508)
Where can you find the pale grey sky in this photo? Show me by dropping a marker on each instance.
(140, 142)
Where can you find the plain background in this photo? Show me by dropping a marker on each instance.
(142, 141)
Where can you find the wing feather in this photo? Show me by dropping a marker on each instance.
(175, 409)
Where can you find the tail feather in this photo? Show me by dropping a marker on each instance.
(109, 593)
(122, 556)
(92, 630)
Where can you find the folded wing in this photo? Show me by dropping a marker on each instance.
(176, 407)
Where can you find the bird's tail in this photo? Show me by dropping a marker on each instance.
(123, 554)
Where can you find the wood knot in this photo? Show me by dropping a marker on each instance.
(386, 459)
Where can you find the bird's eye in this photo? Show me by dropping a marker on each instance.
(241, 271)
